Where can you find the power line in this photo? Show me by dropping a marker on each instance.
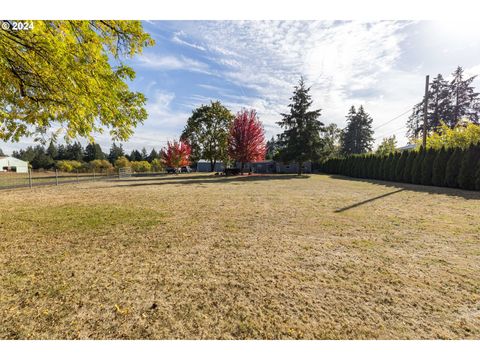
(395, 118)
(395, 132)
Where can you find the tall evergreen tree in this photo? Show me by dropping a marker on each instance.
(52, 151)
(449, 102)
(135, 155)
(464, 99)
(439, 108)
(93, 151)
(61, 152)
(301, 139)
(116, 151)
(153, 155)
(144, 154)
(74, 151)
(272, 148)
(357, 137)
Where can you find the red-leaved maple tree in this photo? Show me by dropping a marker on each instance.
(176, 154)
(246, 142)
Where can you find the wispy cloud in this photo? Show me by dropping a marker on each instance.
(177, 38)
(171, 62)
(342, 61)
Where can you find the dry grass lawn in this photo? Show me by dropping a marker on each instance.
(199, 256)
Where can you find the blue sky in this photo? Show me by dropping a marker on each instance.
(254, 64)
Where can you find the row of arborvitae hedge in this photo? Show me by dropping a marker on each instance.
(455, 168)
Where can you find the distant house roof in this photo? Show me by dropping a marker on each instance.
(407, 147)
(12, 160)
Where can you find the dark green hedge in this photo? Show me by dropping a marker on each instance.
(446, 167)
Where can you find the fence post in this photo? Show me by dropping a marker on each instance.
(93, 174)
(30, 178)
(77, 177)
(56, 176)
(119, 173)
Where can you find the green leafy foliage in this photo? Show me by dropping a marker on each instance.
(387, 146)
(69, 74)
(141, 166)
(207, 132)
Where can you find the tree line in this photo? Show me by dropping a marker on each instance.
(457, 168)
(449, 102)
(50, 157)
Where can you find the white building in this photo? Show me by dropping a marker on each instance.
(8, 163)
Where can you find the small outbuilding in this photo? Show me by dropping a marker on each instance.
(11, 164)
(292, 168)
(258, 167)
(205, 166)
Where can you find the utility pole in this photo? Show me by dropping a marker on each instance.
(425, 113)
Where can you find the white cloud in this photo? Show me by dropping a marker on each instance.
(170, 62)
(342, 62)
(177, 38)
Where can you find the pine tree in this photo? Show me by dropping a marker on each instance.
(427, 167)
(144, 154)
(93, 152)
(74, 151)
(153, 155)
(464, 99)
(357, 137)
(271, 149)
(52, 151)
(135, 155)
(439, 102)
(301, 139)
(467, 175)
(448, 102)
(439, 167)
(115, 152)
(453, 168)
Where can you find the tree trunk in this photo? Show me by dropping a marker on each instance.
(300, 166)
(241, 167)
(212, 165)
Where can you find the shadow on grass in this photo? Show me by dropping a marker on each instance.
(204, 179)
(466, 194)
(367, 201)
